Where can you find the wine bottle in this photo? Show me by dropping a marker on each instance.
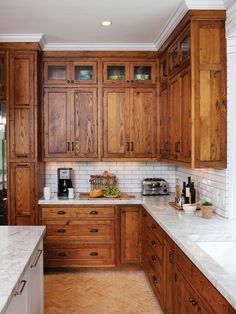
(193, 193)
(184, 191)
(187, 193)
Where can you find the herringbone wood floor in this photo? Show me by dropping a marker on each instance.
(101, 292)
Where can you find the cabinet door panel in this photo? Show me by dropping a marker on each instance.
(143, 114)
(131, 223)
(57, 123)
(22, 207)
(164, 123)
(185, 116)
(174, 98)
(85, 123)
(21, 106)
(116, 125)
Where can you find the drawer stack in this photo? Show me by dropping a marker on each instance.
(79, 236)
(153, 257)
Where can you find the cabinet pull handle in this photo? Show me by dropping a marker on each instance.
(61, 230)
(68, 146)
(22, 165)
(61, 254)
(153, 243)
(21, 288)
(21, 156)
(68, 81)
(166, 146)
(127, 81)
(72, 81)
(132, 147)
(61, 212)
(132, 81)
(154, 259)
(194, 302)
(36, 259)
(93, 230)
(93, 212)
(72, 146)
(154, 280)
(94, 254)
(154, 228)
(128, 148)
(177, 147)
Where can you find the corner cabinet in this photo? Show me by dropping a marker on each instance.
(71, 123)
(196, 83)
(129, 123)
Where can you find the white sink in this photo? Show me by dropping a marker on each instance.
(224, 253)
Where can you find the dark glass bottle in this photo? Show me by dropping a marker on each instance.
(187, 191)
(193, 193)
(184, 191)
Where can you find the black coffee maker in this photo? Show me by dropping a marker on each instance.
(64, 181)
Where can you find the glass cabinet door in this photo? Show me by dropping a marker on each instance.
(57, 73)
(163, 68)
(184, 46)
(115, 72)
(142, 72)
(84, 72)
(174, 57)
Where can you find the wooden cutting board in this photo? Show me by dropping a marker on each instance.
(123, 196)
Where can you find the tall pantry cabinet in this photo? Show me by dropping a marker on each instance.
(25, 170)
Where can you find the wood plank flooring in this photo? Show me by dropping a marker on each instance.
(101, 292)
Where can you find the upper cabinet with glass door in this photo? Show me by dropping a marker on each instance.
(70, 73)
(129, 72)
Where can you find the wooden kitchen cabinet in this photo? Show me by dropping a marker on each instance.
(70, 73)
(21, 103)
(70, 123)
(197, 91)
(129, 117)
(131, 224)
(164, 123)
(3, 71)
(169, 276)
(132, 72)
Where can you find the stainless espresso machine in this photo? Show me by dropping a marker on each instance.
(64, 181)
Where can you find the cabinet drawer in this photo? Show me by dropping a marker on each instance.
(201, 284)
(155, 228)
(77, 212)
(156, 282)
(154, 243)
(63, 256)
(84, 230)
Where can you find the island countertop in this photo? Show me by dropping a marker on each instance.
(185, 230)
(17, 245)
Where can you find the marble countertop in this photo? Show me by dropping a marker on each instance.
(185, 230)
(17, 245)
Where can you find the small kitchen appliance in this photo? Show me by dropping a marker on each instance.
(154, 186)
(64, 176)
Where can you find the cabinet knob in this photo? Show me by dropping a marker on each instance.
(154, 280)
(153, 243)
(154, 228)
(154, 259)
(127, 81)
(132, 81)
(93, 230)
(93, 212)
(61, 254)
(194, 302)
(61, 212)
(72, 81)
(94, 254)
(68, 81)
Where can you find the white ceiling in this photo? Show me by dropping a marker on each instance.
(75, 24)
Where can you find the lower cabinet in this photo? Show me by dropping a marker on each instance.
(28, 297)
(131, 224)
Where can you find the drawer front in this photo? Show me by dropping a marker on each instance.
(201, 284)
(77, 212)
(99, 230)
(155, 228)
(81, 256)
(156, 282)
(153, 261)
(153, 243)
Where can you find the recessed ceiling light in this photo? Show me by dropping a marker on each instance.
(106, 23)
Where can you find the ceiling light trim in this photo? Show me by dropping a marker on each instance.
(99, 46)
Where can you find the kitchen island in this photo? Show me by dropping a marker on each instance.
(21, 271)
(188, 232)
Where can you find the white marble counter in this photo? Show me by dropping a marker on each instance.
(17, 245)
(185, 230)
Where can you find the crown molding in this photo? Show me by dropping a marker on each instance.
(99, 47)
(205, 4)
(10, 38)
(172, 22)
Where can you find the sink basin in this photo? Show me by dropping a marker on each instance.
(224, 253)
